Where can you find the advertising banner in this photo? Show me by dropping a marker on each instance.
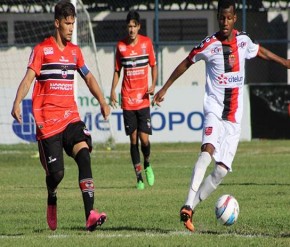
(179, 119)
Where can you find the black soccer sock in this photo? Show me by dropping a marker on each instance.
(52, 181)
(146, 154)
(135, 157)
(86, 182)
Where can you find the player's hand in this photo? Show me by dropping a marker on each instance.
(158, 97)
(105, 110)
(16, 113)
(113, 100)
(288, 63)
(151, 90)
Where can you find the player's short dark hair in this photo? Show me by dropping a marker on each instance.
(63, 9)
(225, 4)
(133, 15)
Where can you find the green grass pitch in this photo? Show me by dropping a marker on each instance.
(260, 181)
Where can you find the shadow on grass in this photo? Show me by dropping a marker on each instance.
(255, 184)
(110, 229)
(243, 234)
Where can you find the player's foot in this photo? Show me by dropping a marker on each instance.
(140, 185)
(186, 216)
(51, 216)
(95, 219)
(149, 175)
(51, 211)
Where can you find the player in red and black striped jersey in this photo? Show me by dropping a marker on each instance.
(224, 54)
(134, 55)
(53, 63)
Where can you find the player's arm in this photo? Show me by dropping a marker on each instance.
(179, 70)
(22, 91)
(154, 73)
(97, 93)
(268, 55)
(113, 96)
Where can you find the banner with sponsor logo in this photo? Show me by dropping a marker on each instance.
(179, 119)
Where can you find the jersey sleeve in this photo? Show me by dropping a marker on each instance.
(252, 50)
(81, 66)
(152, 58)
(197, 54)
(80, 59)
(118, 65)
(36, 59)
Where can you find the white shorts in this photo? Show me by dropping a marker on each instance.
(224, 136)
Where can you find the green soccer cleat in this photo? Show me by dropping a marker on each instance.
(149, 175)
(140, 185)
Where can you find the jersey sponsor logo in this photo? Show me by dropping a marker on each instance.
(242, 45)
(48, 50)
(67, 113)
(26, 131)
(208, 131)
(223, 79)
(61, 86)
(216, 50)
(135, 72)
(122, 48)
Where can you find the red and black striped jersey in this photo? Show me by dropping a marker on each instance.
(225, 73)
(135, 61)
(53, 102)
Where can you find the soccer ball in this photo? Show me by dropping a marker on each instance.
(227, 210)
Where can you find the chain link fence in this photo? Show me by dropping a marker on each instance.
(174, 26)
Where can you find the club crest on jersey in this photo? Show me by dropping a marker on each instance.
(48, 50)
(232, 60)
(133, 63)
(208, 131)
(64, 73)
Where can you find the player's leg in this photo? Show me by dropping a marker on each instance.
(210, 184)
(51, 157)
(130, 123)
(144, 130)
(224, 154)
(197, 176)
(210, 138)
(78, 144)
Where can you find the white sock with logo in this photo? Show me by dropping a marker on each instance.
(197, 176)
(210, 184)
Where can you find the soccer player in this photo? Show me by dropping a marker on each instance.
(224, 54)
(135, 54)
(58, 125)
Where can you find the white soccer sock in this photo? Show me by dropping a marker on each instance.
(210, 184)
(197, 176)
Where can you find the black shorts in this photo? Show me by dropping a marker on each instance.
(51, 149)
(137, 119)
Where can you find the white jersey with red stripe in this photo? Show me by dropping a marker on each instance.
(225, 73)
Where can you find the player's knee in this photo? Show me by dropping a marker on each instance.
(54, 178)
(83, 157)
(218, 174)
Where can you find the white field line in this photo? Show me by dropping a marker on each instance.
(145, 234)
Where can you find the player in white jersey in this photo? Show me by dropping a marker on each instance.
(224, 54)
